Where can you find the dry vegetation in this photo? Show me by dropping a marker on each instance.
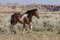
(45, 28)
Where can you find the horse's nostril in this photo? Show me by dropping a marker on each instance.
(38, 17)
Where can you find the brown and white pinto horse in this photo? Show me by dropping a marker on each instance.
(25, 18)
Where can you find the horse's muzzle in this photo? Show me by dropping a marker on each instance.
(38, 17)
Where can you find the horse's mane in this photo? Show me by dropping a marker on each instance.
(30, 11)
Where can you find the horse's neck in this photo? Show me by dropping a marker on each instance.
(30, 16)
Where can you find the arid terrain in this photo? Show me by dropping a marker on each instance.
(45, 28)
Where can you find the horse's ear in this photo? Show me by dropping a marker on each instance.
(35, 9)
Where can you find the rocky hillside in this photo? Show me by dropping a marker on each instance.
(51, 7)
(19, 7)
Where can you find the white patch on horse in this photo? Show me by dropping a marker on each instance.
(31, 28)
(25, 15)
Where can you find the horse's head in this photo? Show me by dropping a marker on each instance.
(35, 13)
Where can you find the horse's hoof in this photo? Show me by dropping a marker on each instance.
(28, 32)
(23, 33)
(13, 32)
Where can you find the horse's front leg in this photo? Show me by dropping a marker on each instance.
(30, 27)
(23, 28)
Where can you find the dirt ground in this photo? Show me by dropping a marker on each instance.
(30, 36)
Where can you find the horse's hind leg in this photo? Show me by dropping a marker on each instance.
(23, 29)
(12, 28)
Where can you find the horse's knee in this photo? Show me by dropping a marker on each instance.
(31, 27)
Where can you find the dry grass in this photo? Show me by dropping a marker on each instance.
(31, 36)
(40, 32)
(35, 35)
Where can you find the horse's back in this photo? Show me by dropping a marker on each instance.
(15, 17)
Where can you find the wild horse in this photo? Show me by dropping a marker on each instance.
(24, 19)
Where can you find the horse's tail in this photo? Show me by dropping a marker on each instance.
(12, 20)
(12, 28)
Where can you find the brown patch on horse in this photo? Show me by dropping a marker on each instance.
(15, 18)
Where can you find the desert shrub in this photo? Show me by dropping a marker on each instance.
(45, 22)
(48, 26)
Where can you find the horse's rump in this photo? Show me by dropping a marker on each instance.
(15, 18)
